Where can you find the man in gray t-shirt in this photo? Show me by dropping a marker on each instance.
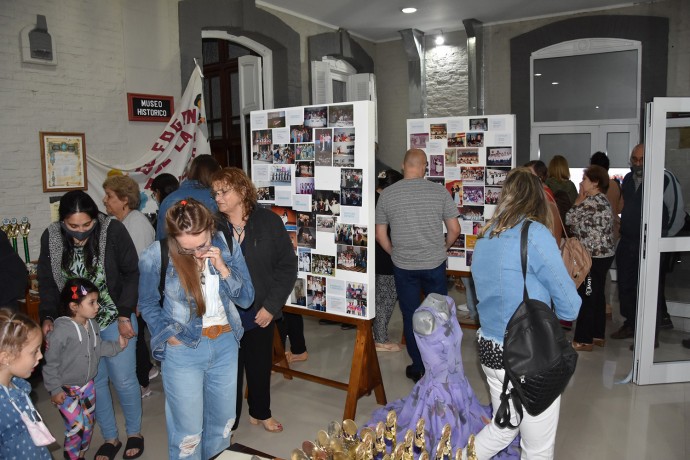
(415, 210)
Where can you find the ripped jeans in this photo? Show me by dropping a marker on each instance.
(200, 389)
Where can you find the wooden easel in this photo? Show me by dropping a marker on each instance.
(365, 373)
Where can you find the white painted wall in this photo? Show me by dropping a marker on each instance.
(104, 50)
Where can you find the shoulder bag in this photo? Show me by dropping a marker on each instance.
(576, 257)
(537, 358)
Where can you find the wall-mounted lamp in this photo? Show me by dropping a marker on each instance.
(38, 47)
(439, 39)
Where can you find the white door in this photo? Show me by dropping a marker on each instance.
(251, 98)
(577, 142)
(667, 147)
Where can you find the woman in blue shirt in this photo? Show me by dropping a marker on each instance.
(497, 273)
(196, 333)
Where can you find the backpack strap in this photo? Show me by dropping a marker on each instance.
(523, 256)
(164, 268)
(502, 418)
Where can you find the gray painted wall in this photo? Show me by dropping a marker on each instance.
(241, 17)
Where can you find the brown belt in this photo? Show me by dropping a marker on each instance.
(213, 332)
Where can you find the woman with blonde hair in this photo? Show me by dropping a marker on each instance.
(197, 330)
(498, 279)
(559, 177)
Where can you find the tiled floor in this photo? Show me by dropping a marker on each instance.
(600, 419)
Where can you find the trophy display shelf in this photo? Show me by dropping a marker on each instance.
(29, 305)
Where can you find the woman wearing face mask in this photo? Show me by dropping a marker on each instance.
(85, 243)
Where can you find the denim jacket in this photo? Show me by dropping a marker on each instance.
(497, 274)
(176, 317)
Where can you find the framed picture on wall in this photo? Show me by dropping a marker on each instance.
(63, 161)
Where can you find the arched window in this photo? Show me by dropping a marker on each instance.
(585, 98)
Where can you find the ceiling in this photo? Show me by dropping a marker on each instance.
(380, 20)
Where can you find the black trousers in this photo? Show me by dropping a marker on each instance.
(591, 321)
(292, 325)
(143, 355)
(628, 266)
(255, 359)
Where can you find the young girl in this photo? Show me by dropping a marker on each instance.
(72, 362)
(20, 351)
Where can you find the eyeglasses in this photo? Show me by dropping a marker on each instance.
(216, 193)
(203, 249)
(637, 160)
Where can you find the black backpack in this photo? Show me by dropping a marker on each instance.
(537, 358)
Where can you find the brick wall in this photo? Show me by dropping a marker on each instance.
(446, 75)
(100, 59)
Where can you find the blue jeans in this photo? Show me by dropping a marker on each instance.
(200, 396)
(121, 370)
(471, 296)
(411, 286)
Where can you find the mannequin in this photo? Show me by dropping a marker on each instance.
(443, 395)
(423, 321)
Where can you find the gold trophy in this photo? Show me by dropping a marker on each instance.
(13, 232)
(380, 441)
(24, 229)
(5, 227)
(392, 428)
(408, 449)
(419, 439)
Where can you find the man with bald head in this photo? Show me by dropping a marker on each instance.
(628, 251)
(415, 210)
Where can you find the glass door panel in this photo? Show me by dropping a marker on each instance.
(663, 295)
(575, 147)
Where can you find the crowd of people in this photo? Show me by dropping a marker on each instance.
(211, 281)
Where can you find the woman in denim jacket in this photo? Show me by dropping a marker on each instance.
(197, 331)
(497, 273)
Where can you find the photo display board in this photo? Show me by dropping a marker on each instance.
(470, 157)
(314, 167)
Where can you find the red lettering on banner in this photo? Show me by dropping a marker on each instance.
(162, 165)
(176, 125)
(189, 116)
(148, 184)
(158, 147)
(185, 137)
(167, 136)
(146, 169)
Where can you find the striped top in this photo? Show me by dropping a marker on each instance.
(415, 209)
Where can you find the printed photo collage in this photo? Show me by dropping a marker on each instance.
(471, 158)
(285, 165)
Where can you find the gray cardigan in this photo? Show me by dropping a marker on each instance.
(73, 353)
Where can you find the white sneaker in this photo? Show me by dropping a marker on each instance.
(146, 392)
(462, 307)
(153, 373)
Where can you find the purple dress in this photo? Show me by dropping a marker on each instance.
(443, 395)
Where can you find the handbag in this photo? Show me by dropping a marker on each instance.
(537, 358)
(39, 432)
(576, 257)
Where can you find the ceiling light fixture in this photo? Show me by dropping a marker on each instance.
(409, 10)
(554, 82)
(537, 75)
(439, 39)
